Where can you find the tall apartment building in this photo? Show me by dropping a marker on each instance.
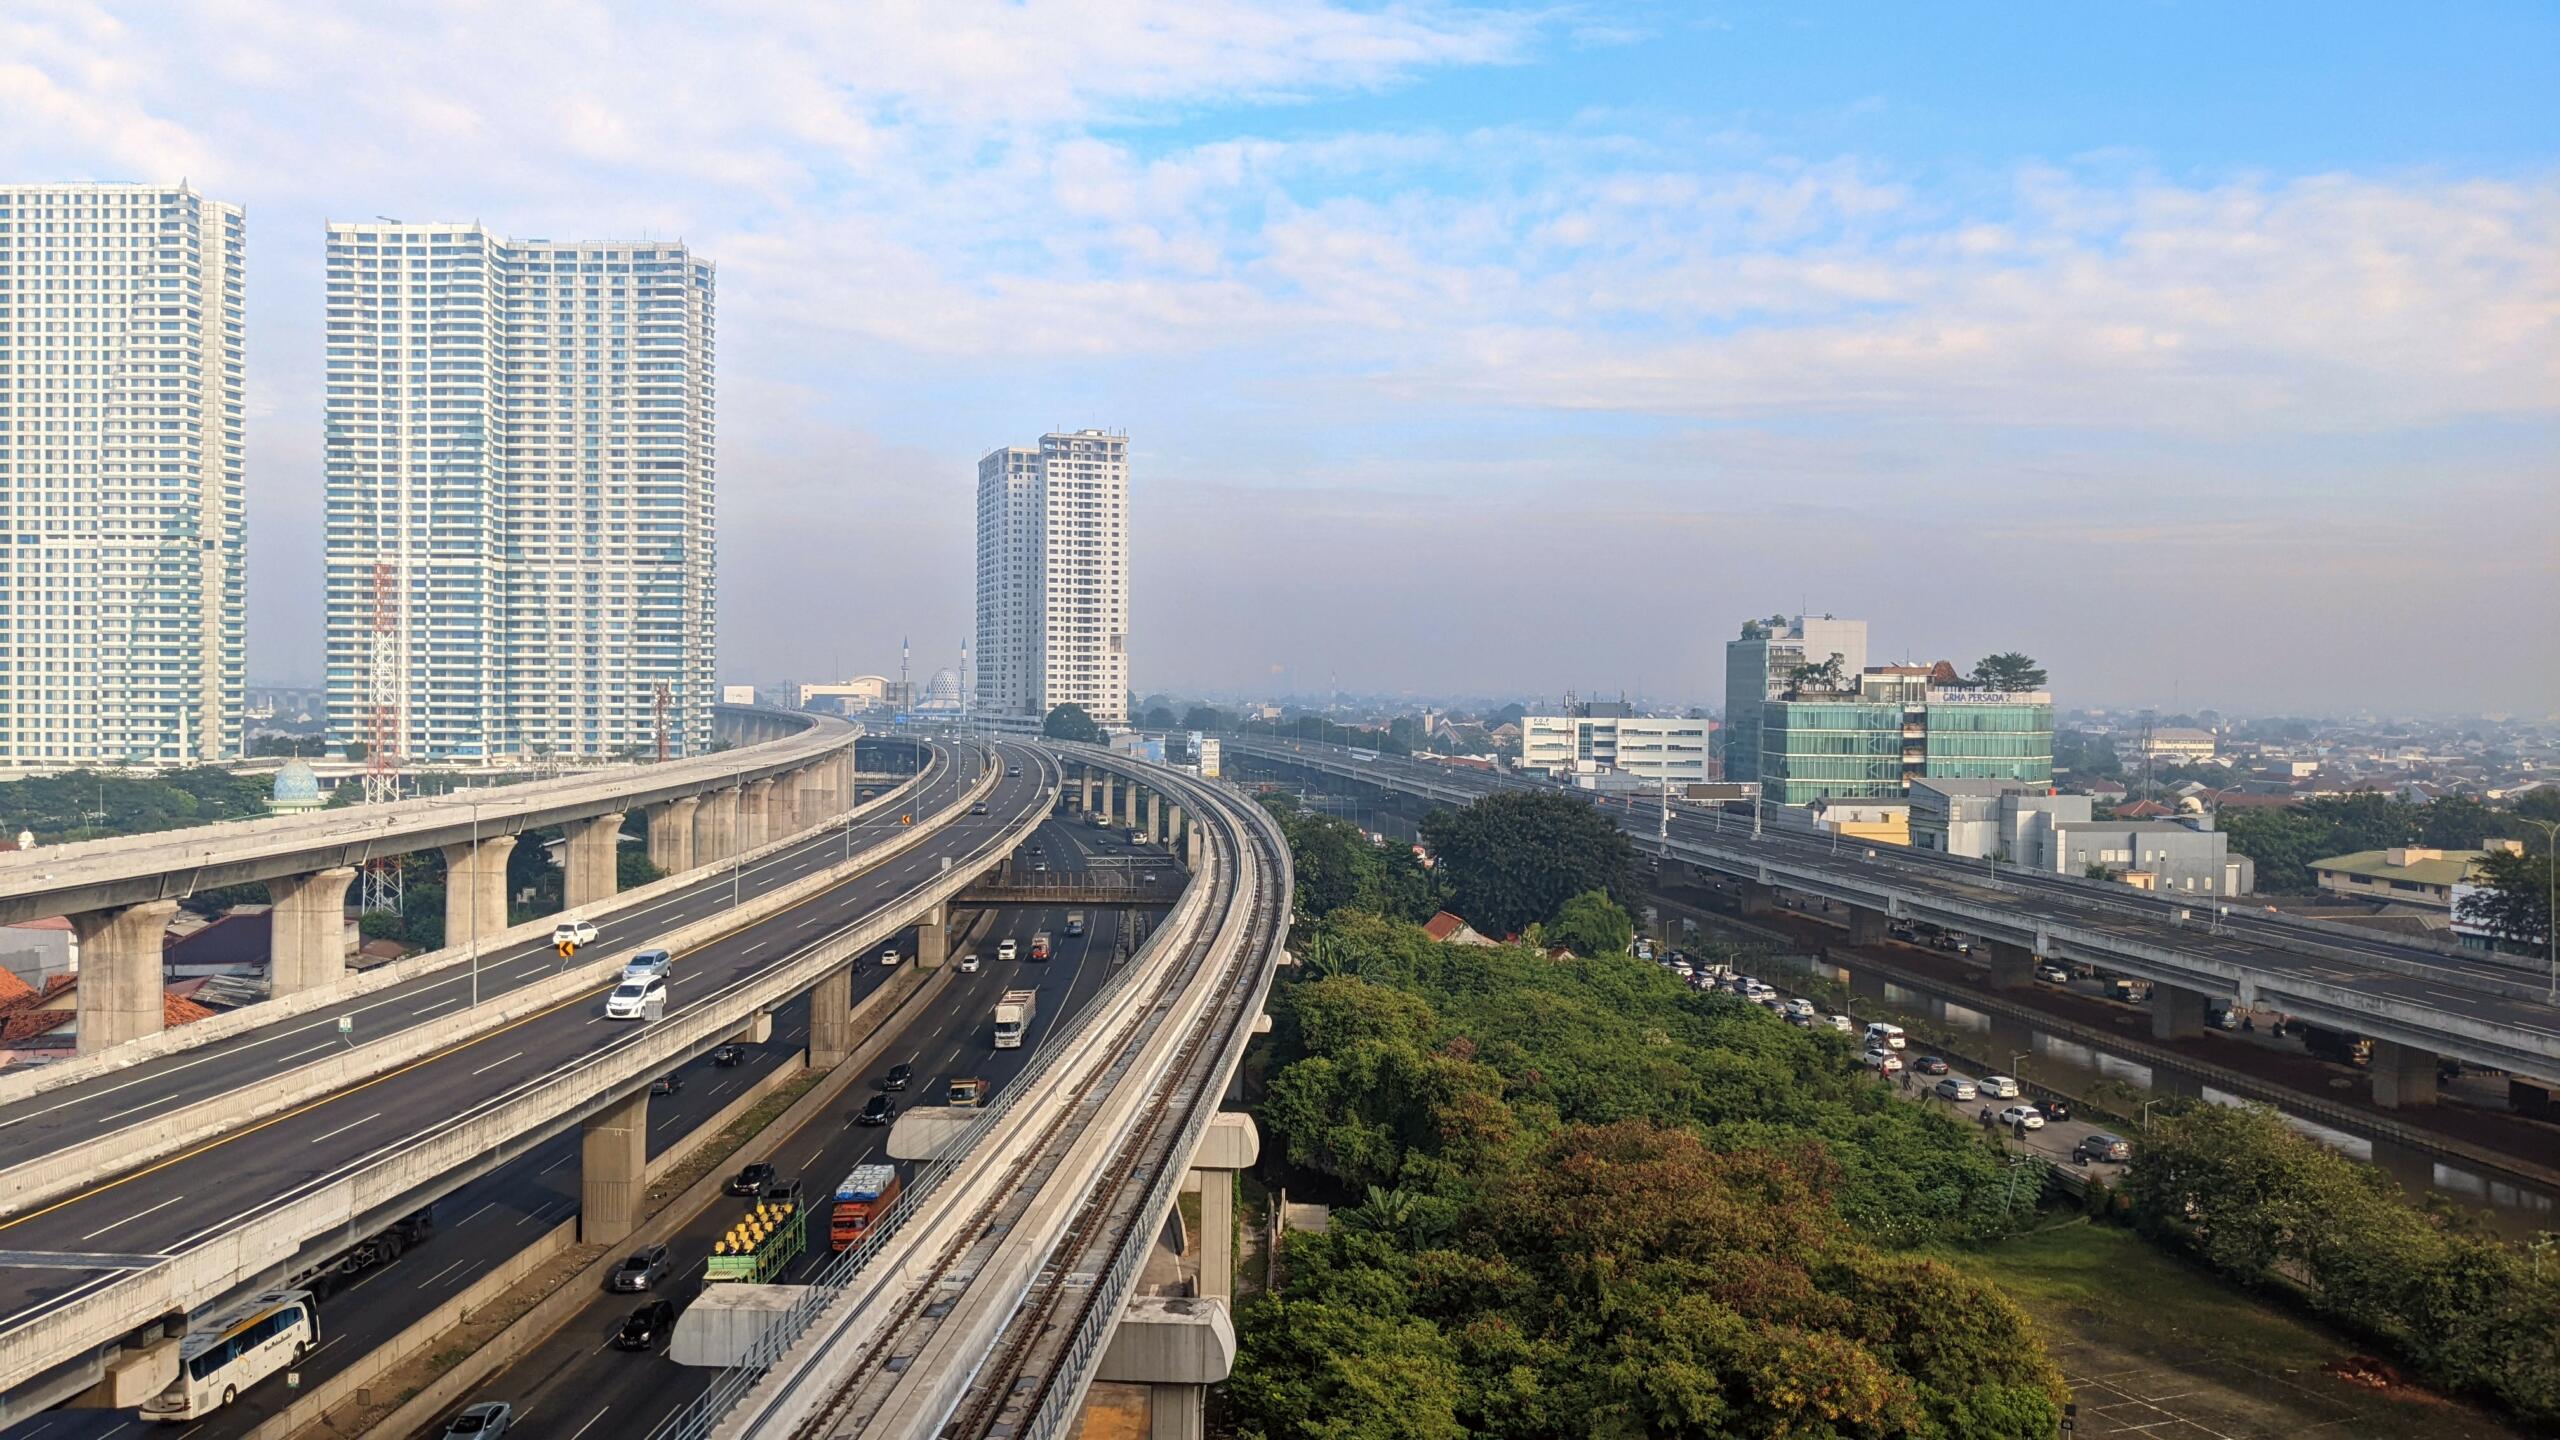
(1053, 577)
(122, 594)
(1760, 666)
(520, 500)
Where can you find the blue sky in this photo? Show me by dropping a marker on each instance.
(2207, 352)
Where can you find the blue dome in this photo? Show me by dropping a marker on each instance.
(297, 782)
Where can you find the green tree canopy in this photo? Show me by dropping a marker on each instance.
(1513, 859)
(1070, 722)
(1205, 718)
(2008, 670)
(1591, 924)
(2514, 896)
(1158, 717)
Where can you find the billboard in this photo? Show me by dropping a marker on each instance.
(737, 694)
(1208, 752)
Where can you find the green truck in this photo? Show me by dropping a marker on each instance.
(765, 1239)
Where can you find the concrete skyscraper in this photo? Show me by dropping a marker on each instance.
(1053, 577)
(122, 619)
(520, 498)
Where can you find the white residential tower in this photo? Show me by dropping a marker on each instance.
(1053, 577)
(520, 498)
(121, 573)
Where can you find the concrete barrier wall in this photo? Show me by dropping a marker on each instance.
(275, 1235)
(36, 1080)
(74, 1167)
(885, 1008)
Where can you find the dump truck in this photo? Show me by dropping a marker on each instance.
(770, 1235)
(1075, 923)
(1013, 1016)
(862, 1198)
(967, 1092)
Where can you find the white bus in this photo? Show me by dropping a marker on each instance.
(235, 1349)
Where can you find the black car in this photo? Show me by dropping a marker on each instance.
(643, 1268)
(729, 1056)
(1930, 1065)
(666, 1085)
(897, 1077)
(751, 1180)
(647, 1326)
(877, 1112)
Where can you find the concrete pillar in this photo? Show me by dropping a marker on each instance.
(831, 1019)
(933, 938)
(1149, 811)
(1089, 788)
(1230, 1144)
(307, 939)
(671, 835)
(1866, 927)
(1129, 806)
(120, 990)
(1176, 1346)
(2403, 1075)
(1177, 824)
(1110, 796)
(475, 889)
(1757, 899)
(594, 856)
(715, 826)
(1192, 852)
(755, 815)
(2176, 1013)
(808, 798)
(1177, 1412)
(613, 1169)
(2012, 966)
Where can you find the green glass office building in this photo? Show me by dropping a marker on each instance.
(1872, 745)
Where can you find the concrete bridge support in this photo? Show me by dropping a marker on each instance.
(307, 941)
(671, 835)
(757, 1031)
(1191, 851)
(2178, 1013)
(808, 798)
(1152, 812)
(613, 1169)
(1177, 1347)
(1110, 797)
(475, 889)
(1866, 927)
(831, 1020)
(2403, 1075)
(1129, 806)
(1757, 899)
(755, 814)
(933, 937)
(2012, 966)
(1091, 788)
(120, 988)
(1229, 1146)
(715, 826)
(593, 856)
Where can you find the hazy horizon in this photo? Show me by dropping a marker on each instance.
(1484, 350)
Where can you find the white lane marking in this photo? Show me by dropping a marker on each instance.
(494, 1064)
(529, 974)
(476, 1214)
(343, 1129)
(556, 1164)
(136, 1215)
(449, 1269)
(451, 1000)
(591, 1422)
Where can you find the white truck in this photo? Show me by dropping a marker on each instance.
(1013, 1016)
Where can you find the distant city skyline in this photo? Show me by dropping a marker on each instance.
(2192, 352)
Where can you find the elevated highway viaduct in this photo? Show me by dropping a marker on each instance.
(2415, 1002)
(183, 1205)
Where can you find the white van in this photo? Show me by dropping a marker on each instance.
(631, 999)
(1881, 1036)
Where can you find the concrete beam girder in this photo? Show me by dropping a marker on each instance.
(307, 930)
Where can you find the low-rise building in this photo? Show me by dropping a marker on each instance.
(1871, 822)
(1655, 748)
(2401, 875)
(1976, 818)
(2184, 857)
(2177, 743)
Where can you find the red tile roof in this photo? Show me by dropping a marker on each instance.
(2143, 810)
(1443, 925)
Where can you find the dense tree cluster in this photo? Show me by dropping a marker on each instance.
(1071, 722)
(2266, 1206)
(1337, 866)
(1514, 859)
(2284, 841)
(91, 804)
(1600, 1203)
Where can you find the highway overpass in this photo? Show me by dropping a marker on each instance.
(2416, 1002)
(427, 1095)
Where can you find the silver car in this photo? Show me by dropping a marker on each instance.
(1956, 1087)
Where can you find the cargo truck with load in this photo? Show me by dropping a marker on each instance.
(862, 1198)
(754, 1250)
(1013, 1016)
(1040, 945)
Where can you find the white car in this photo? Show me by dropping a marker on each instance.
(969, 963)
(1841, 1023)
(631, 999)
(889, 956)
(1884, 1062)
(2053, 975)
(574, 931)
(1881, 1036)
(1999, 1087)
(2026, 1115)
(1800, 1006)
(1006, 949)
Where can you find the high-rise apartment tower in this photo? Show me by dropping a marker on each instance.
(1053, 577)
(519, 454)
(122, 622)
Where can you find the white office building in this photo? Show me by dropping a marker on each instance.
(1646, 746)
(520, 498)
(1053, 578)
(122, 621)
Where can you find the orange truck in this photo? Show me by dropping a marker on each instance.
(861, 1200)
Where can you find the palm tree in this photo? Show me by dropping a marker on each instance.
(1390, 1211)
